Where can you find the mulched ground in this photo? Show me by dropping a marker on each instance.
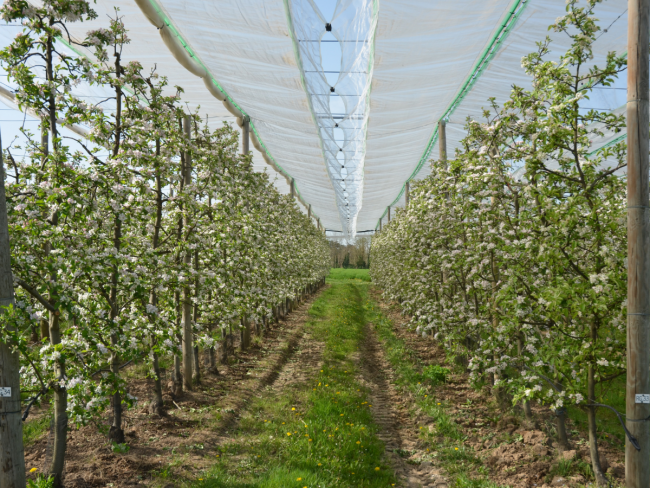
(491, 429)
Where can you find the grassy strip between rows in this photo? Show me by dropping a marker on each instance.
(313, 432)
(446, 444)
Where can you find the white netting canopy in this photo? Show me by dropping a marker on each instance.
(344, 96)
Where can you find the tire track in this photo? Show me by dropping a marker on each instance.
(396, 430)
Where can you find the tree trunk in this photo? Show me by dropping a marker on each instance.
(246, 334)
(197, 365)
(59, 443)
(45, 329)
(156, 405)
(187, 259)
(12, 455)
(563, 438)
(593, 431)
(177, 381)
(116, 433)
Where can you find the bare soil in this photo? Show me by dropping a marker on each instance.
(519, 453)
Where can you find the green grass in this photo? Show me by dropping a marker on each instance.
(35, 428)
(319, 432)
(609, 427)
(338, 275)
(446, 444)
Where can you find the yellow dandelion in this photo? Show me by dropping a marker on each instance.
(310, 440)
(319, 464)
(33, 470)
(456, 448)
(288, 433)
(377, 468)
(298, 479)
(292, 408)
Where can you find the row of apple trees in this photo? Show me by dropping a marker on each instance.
(523, 273)
(151, 238)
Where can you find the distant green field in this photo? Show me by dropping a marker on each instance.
(348, 274)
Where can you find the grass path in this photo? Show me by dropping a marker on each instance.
(314, 426)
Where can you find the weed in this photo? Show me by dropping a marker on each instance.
(436, 374)
(120, 448)
(35, 428)
(41, 481)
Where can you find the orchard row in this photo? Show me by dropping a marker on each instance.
(153, 238)
(513, 254)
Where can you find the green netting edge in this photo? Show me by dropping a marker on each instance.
(514, 12)
(214, 81)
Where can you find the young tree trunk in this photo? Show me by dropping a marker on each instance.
(527, 411)
(187, 259)
(116, 433)
(563, 438)
(593, 432)
(224, 346)
(12, 455)
(59, 443)
(156, 405)
(177, 381)
(246, 334)
(197, 366)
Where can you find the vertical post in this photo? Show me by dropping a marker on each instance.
(637, 463)
(12, 454)
(309, 212)
(188, 350)
(407, 193)
(442, 140)
(293, 188)
(245, 136)
(389, 213)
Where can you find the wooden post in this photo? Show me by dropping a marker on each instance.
(188, 350)
(12, 454)
(442, 140)
(637, 463)
(293, 188)
(407, 193)
(309, 211)
(245, 136)
(389, 213)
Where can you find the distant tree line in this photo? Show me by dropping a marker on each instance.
(356, 255)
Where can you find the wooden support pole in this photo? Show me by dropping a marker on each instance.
(186, 320)
(637, 462)
(293, 188)
(407, 193)
(442, 140)
(245, 136)
(309, 211)
(389, 213)
(12, 454)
